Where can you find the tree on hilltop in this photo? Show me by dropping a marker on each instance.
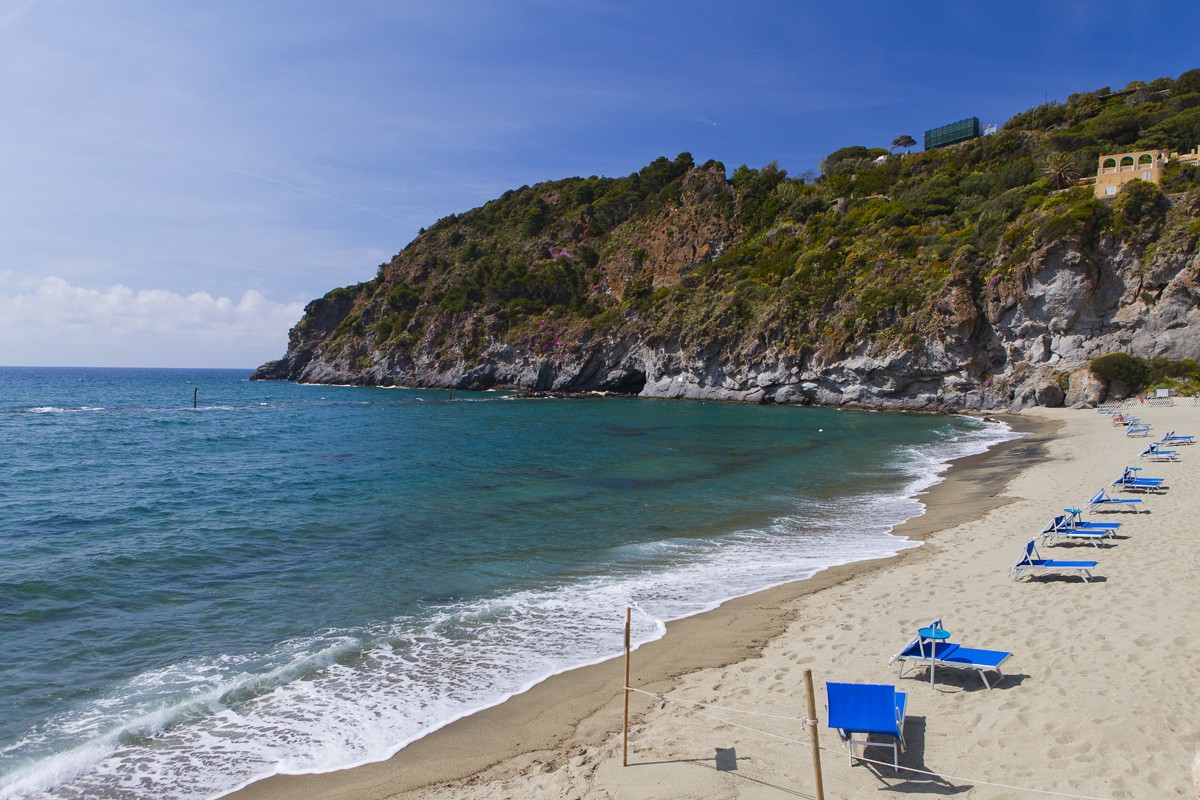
(904, 141)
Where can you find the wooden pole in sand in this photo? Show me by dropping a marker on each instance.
(812, 733)
(625, 727)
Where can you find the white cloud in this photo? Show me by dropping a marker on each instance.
(50, 322)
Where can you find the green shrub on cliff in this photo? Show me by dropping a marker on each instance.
(1139, 202)
(1181, 377)
(1123, 368)
(1158, 372)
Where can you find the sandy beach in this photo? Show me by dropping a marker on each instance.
(1099, 699)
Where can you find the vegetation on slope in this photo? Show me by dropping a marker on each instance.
(680, 253)
(1180, 377)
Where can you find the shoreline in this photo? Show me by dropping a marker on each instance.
(577, 709)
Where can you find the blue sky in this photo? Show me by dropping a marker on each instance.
(178, 180)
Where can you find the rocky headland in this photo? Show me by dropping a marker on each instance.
(975, 276)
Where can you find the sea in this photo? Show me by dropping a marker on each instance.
(206, 580)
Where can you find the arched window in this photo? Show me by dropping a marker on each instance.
(1145, 158)
(1127, 161)
(1110, 162)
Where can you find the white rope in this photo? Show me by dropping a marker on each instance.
(719, 708)
(727, 722)
(693, 707)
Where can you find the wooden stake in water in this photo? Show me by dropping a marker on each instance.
(195, 397)
(625, 727)
(812, 733)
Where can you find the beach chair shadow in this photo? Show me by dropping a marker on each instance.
(962, 681)
(911, 759)
(1103, 543)
(1058, 577)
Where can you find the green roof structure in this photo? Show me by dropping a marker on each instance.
(954, 132)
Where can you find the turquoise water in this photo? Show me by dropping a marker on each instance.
(300, 578)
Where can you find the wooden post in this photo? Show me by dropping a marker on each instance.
(195, 397)
(812, 725)
(625, 727)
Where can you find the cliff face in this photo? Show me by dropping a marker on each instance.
(1025, 342)
(961, 278)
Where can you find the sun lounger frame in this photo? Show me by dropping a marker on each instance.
(1131, 483)
(1033, 560)
(1074, 519)
(1153, 453)
(1061, 528)
(1101, 498)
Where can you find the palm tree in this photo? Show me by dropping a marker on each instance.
(1061, 169)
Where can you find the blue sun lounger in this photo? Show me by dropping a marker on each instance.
(867, 709)
(1075, 519)
(1173, 438)
(929, 647)
(1130, 482)
(1155, 452)
(1137, 429)
(1102, 501)
(1061, 527)
(1033, 562)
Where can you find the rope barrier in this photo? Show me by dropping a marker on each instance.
(719, 708)
(693, 707)
(727, 722)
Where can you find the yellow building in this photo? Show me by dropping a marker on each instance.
(1147, 165)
